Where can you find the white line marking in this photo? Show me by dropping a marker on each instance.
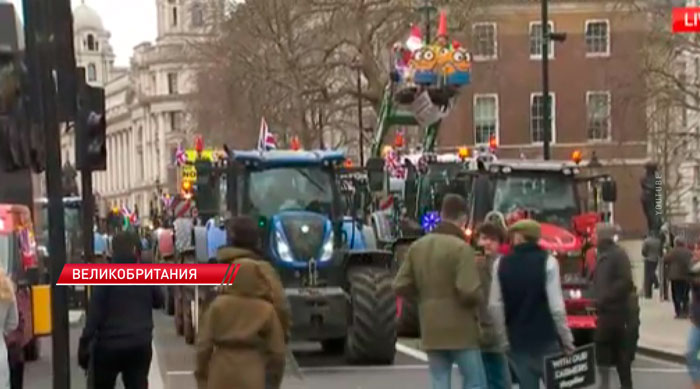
(155, 379)
(180, 372)
(658, 370)
(412, 352)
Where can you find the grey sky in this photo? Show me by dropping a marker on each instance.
(130, 22)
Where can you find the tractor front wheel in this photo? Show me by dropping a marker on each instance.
(371, 334)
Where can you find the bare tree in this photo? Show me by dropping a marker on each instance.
(296, 63)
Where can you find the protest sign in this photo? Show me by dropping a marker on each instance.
(571, 371)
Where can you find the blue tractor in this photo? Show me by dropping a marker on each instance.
(337, 283)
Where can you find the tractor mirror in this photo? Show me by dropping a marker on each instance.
(609, 190)
(375, 174)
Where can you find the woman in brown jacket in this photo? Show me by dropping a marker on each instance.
(240, 336)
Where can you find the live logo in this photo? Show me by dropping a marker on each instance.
(685, 20)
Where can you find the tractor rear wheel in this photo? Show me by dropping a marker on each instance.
(188, 323)
(371, 337)
(179, 311)
(169, 301)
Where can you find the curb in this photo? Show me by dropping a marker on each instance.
(661, 354)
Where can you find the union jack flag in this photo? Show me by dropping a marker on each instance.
(266, 140)
(180, 156)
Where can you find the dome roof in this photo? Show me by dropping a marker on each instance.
(85, 17)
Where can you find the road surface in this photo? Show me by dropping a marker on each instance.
(172, 367)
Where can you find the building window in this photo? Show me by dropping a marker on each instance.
(175, 121)
(537, 117)
(172, 83)
(197, 15)
(485, 117)
(91, 43)
(598, 108)
(597, 36)
(174, 19)
(91, 73)
(536, 40)
(485, 41)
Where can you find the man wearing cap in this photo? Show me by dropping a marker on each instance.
(612, 287)
(526, 297)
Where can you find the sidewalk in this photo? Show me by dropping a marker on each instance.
(659, 333)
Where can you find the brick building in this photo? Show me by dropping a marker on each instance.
(596, 86)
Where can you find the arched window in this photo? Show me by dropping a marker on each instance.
(91, 43)
(174, 19)
(197, 15)
(91, 72)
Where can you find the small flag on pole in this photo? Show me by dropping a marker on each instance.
(266, 140)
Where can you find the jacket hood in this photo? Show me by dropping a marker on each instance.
(230, 254)
(250, 281)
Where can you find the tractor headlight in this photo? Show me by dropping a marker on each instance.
(327, 250)
(575, 293)
(283, 249)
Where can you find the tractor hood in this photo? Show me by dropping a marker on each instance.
(304, 233)
(558, 239)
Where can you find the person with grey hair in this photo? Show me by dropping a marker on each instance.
(612, 288)
(678, 261)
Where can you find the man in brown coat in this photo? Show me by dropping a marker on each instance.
(678, 262)
(241, 343)
(440, 272)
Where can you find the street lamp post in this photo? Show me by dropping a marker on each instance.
(546, 102)
(361, 128)
(427, 9)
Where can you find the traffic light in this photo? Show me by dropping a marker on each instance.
(90, 127)
(15, 135)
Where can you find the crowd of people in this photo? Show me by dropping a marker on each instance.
(493, 310)
(493, 306)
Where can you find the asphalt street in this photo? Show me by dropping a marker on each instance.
(174, 362)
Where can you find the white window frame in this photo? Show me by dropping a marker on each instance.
(552, 121)
(608, 43)
(498, 116)
(480, 58)
(609, 95)
(538, 57)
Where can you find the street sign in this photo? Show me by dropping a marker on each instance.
(189, 173)
(573, 371)
(425, 111)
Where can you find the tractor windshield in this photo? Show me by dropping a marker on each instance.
(274, 190)
(549, 197)
(442, 179)
(72, 221)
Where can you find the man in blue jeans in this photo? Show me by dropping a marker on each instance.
(440, 272)
(526, 297)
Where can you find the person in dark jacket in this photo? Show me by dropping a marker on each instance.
(651, 252)
(612, 288)
(678, 262)
(526, 298)
(693, 352)
(119, 328)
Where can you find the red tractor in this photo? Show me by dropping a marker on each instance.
(568, 205)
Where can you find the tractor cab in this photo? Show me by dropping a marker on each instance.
(295, 198)
(567, 204)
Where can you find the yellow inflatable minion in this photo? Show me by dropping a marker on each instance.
(458, 71)
(424, 64)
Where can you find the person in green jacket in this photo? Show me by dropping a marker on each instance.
(440, 272)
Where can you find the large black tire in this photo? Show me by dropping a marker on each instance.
(169, 301)
(371, 337)
(32, 351)
(408, 322)
(179, 318)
